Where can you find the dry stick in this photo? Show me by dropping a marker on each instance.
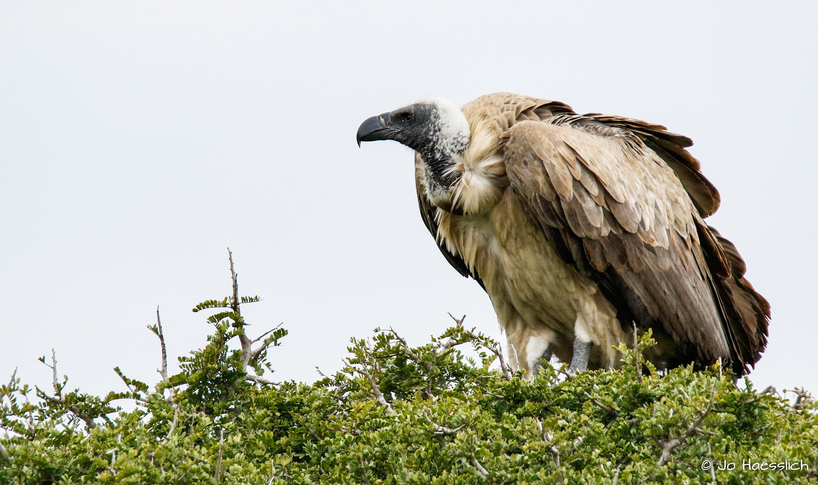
(616, 476)
(670, 444)
(3, 453)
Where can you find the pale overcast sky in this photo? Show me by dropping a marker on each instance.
(139, 140)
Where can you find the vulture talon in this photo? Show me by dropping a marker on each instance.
(545, 357)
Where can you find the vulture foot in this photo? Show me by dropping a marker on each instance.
(545, 357)
(582, 352)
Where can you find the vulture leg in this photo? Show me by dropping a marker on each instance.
(546, 356)
(582, 352)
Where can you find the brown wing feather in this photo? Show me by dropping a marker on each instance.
(636, 236)
(671, 148)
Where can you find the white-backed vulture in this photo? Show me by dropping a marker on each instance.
(577, 227)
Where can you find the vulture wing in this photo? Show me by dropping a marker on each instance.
(622, 201)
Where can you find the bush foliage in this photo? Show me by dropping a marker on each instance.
(398, 414)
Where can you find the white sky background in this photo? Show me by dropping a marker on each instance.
(139, 140)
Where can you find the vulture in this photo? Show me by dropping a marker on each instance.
(582, 229)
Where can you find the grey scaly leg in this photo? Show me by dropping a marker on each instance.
(546, 356)
(582, 352)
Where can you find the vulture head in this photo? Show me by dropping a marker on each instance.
(435, 128)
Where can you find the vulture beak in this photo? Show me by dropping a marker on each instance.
(375, 128)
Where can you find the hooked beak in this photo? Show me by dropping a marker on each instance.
(375, 128)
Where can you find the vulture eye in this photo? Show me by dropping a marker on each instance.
(405, 118)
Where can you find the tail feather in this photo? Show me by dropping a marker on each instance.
(746, 313)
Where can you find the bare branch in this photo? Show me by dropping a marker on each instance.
(53, 366)
(260, 380)
(3, 453)
(375, 390)
(89, 421)
(268, 332)
(616, 476)
(247, 352)
(264, 346)
(164, 370)
(482, 471)
(458, 322)
(13, 377)
(234, 305)
(612, 412)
